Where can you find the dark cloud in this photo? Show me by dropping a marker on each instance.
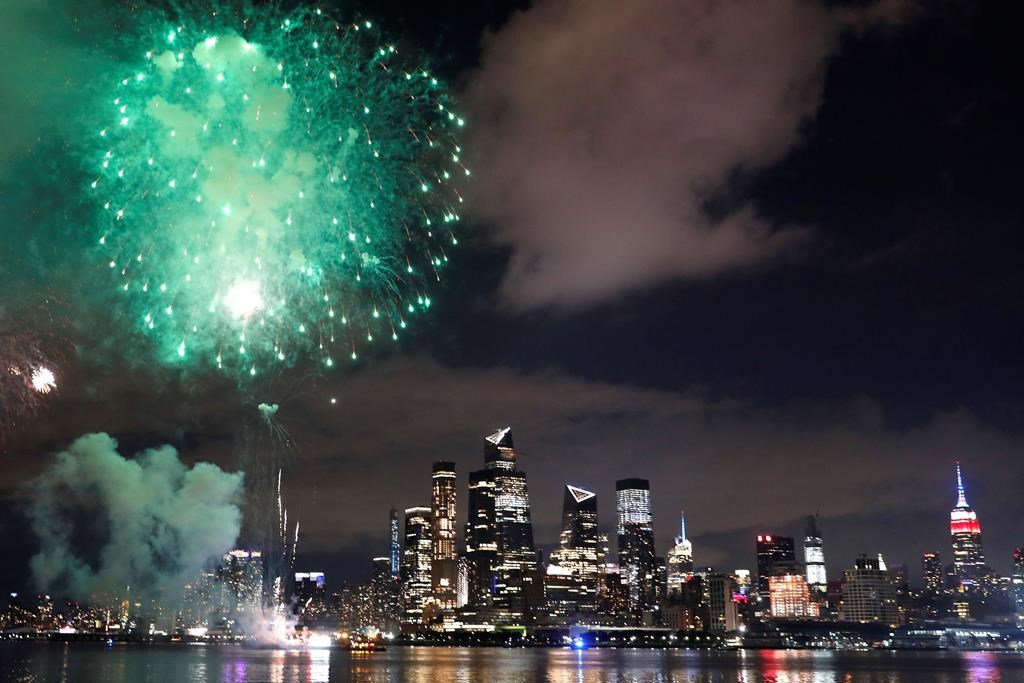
(607, 130)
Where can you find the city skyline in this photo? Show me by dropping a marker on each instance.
(499, 582)
(355, 568)
(635, 507)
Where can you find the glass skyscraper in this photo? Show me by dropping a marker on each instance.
(444, 561)
(931, 573)
(395, 547)
(416, 564)
(573, 569)
(773, 553)
(635, 533)
(1017, 584)
(499, 535)
(481, 540)
(814, 557)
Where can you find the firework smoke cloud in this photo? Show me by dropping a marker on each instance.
(105, 522)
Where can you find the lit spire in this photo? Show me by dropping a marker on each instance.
(682, 526)
(961, 497)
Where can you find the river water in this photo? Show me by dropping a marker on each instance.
(28, 662)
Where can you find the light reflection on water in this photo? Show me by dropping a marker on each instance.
(95, 663)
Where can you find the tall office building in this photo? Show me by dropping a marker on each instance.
(1017, 584)
(241, 574)
(310, 595)
(679, 560)
(790, 597)
(573, 570)
(635, 532)
(773, 553)
(462, 583)
(814, 557)
(444, 569)
(719, 590)
(377, 599)
(965, 530)
(416, 565)
(868, 594)
(931, 573)
(395, 547)
(499, 535)
(481, 540)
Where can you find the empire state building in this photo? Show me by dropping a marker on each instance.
(965, 529)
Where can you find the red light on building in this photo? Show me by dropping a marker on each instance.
(964, 526)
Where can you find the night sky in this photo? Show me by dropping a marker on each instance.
(766, 255)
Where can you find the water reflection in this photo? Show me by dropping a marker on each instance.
(85, 663)
(981, 667)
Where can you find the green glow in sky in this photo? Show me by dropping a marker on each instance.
(274, 189)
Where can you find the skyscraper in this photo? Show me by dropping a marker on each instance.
(416, 565)
(380, 597)
(718, 595)
(791, 597)
(635, 532)
(773, 552)
(931, 573)
(573, 570)
(814, 557)
(481, 540)
(868, 593)
(444, 563)
(310, 595)
(395, 548)
(965, 529)
(1017, 584)
(242, 576)
(499, 535)
(679, 560)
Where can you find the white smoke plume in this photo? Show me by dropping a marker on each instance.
(604, 128)
(105, 522)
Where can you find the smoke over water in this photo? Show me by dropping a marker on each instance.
(105, 522)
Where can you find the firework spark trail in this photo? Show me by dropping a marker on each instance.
(272, 189)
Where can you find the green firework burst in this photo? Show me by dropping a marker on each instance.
(274, 187)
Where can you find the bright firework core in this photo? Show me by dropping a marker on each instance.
(43, 380)
(275, 189)
(243, 299)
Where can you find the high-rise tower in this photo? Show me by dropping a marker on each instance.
(965, 530)
(931, 573)
(814, 557)
(573, 570)
(774, 553)
(1017, 584)
(499, 534)
(679, 560)
(444, 567)
(416, 565)
(635, 531)
(481, 540)
(395, 547)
